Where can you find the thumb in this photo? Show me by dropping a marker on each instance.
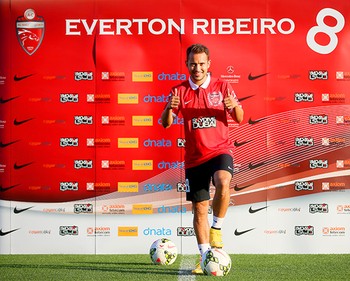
(229, 92)
(175, 92)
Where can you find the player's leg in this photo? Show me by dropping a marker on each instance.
(198, 179)
(201, 228)
(223, 166)
(200, 221)
(221, 198)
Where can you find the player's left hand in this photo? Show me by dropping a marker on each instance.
(230, 102)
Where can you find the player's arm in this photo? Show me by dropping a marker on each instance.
(167, 116)
(233, 107)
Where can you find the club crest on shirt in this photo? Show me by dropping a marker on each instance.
(215, 98)
(30, 30)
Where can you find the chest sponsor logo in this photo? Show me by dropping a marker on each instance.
(203, 122)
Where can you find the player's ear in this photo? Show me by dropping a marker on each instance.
(209, 61)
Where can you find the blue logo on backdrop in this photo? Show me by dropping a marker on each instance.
(171, 76)
(177, 121)
(157, 187)
(150, 98)
(157, 231)
(172, 209)
(171, 165)
(157, 143)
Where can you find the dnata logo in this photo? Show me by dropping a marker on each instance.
(157, 187)
(172, 209)
(157, 231)
(171, 165)
(177, 121)
(157, 143)
(150, 98)
(171, 76)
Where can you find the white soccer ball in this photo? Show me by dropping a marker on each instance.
(216, 262)
(163, 252)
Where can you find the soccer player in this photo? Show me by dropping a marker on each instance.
(206, 103)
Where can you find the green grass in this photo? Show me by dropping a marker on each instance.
(139, 267)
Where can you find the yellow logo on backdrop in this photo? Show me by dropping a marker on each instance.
(128, 187)
(128, 231)
(128, 98)
(142, 76)
(142, 165)
(142, 209)
(140, 120)
(128, 142)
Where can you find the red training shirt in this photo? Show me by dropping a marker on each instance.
(205, 119)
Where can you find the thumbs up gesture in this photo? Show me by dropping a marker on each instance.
(230, 102)
(174, 100)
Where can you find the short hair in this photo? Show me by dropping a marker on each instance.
(197, 49)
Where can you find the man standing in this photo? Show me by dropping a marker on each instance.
(205, 103)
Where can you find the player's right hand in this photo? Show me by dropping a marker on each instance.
(174, 100)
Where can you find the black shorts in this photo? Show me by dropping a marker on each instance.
(198, 178)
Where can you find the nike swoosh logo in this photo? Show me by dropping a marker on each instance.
(251, 77)
(17, 167)
(186, 102)
(18, 211)
(245, 98)
(237, 144)
(2, 233)
(2, 145)
(238, 233)
(2, 101)
(252, 122)
(3, 189)
(252, 166)
(252, 211)
(16, 78)
(17, 123)
(236, 188)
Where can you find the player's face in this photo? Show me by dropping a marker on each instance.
(198, 65)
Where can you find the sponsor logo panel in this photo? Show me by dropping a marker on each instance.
(142, 76)
(142, 165)
(128, 231)
(142, 209)
(128, 187)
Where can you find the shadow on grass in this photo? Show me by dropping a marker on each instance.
(115, 267)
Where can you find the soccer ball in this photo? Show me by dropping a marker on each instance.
(216, 262)
(163, 252)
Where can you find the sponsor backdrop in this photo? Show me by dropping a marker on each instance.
(86, 166)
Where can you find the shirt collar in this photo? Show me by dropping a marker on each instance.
(204, 85)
